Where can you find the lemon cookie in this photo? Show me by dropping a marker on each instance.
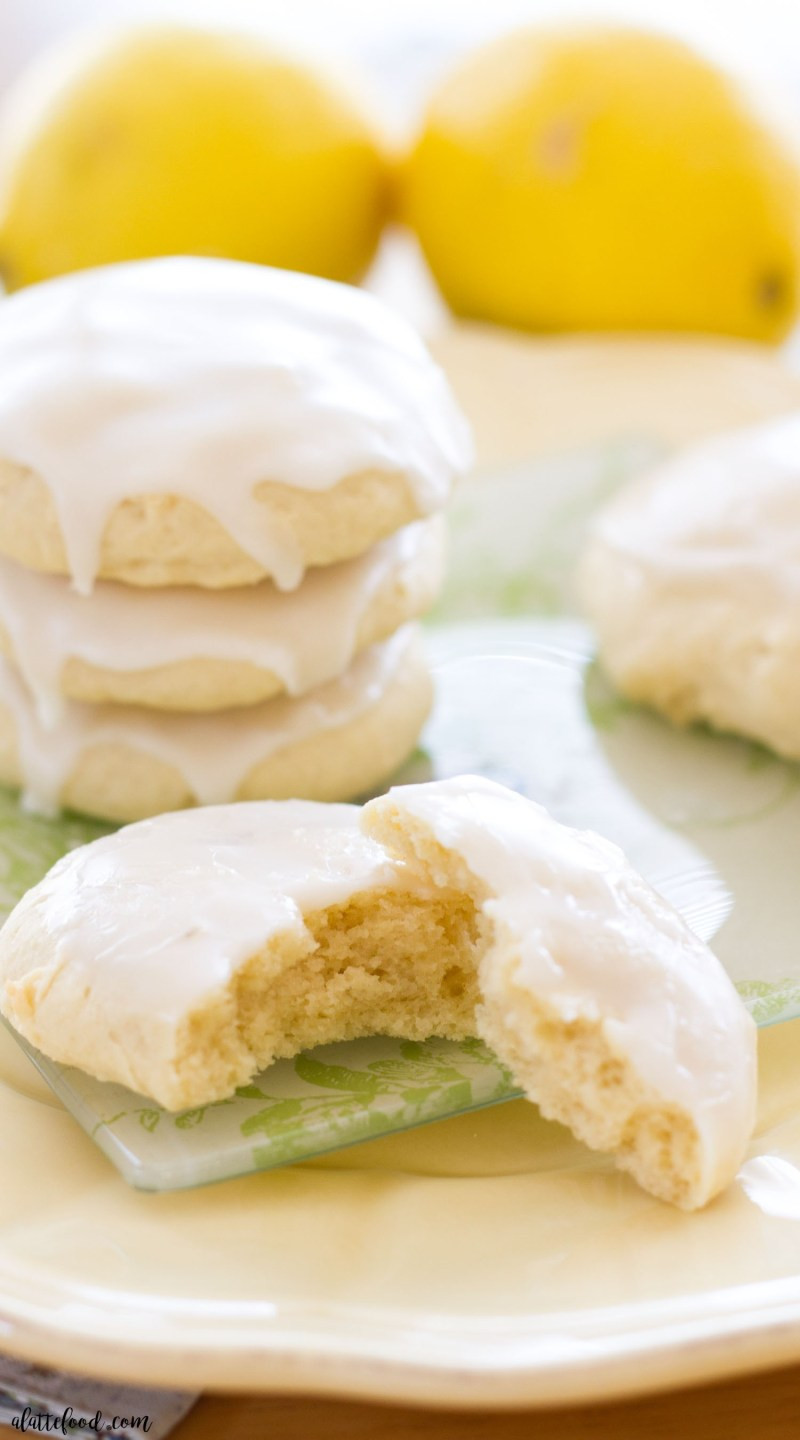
(193, 649)
(234, 934)
(691, 579)
(123, 762)
(206, 422)
(182, 955)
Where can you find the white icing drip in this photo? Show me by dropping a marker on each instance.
(201, 378)
(213, 752)
(725, 510)
(594, 940)
(307, 637)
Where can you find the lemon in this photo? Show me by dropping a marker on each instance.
(605, 179)
(179, 141)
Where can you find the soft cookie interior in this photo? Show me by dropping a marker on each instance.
(569, 1067)
(383, 963)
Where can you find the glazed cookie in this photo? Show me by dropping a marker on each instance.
(234, 935)
(206, 422)
(182, 955)
(190, 650)
(690, 580)
(122, 763)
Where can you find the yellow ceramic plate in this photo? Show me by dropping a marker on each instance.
(484, 1260)
(487, 1259)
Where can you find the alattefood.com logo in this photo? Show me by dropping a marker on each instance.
(45, 1422)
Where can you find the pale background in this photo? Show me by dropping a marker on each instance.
(404, 42)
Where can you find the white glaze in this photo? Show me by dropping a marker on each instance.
(595, 941)
(157, 916)
(202, 377)
(307, 637)
(724, 511)
(213, 752)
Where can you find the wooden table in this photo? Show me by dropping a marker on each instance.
(762, 1407)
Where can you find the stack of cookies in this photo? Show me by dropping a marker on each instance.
(220, 489)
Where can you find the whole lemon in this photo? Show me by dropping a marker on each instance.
(175, 141)
(594, 179)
